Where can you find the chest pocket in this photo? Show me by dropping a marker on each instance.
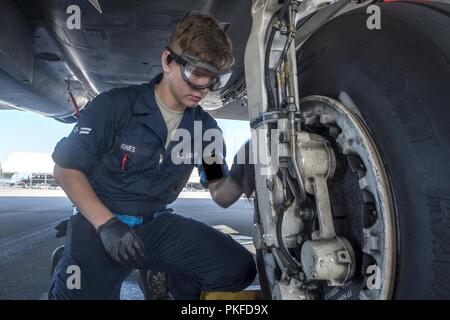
(134, 155)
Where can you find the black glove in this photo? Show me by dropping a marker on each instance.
(244, 173)
(121, 243)
(61, 228)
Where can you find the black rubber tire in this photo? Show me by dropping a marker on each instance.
(399, 78)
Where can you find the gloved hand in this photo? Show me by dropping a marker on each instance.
(122, 243)
(244, 173)
(61, 228)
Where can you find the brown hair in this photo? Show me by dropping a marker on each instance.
(200, 35)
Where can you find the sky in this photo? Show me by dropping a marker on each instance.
(30, 132)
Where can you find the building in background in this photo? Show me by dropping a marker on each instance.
(34, 170)
(27, 169)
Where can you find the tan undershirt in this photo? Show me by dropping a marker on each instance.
(171, 118)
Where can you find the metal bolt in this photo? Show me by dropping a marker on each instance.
(284, 137)
(269, 184)
(307, 214)
(276, 24)
(289, 100)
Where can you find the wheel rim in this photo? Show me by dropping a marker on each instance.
(378, 247)
(379, 232)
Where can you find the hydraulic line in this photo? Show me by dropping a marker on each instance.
(298, 173)
(293, 265)
(275, 25)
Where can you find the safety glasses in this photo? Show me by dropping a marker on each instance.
(199, 74)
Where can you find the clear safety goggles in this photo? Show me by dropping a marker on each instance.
(199, 74)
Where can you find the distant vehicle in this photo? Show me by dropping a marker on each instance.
(32, 179)
(4, 182)
(193, 186)
(19, 178)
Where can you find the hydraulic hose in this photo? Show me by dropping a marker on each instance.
(293, 265)
(270, 97)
